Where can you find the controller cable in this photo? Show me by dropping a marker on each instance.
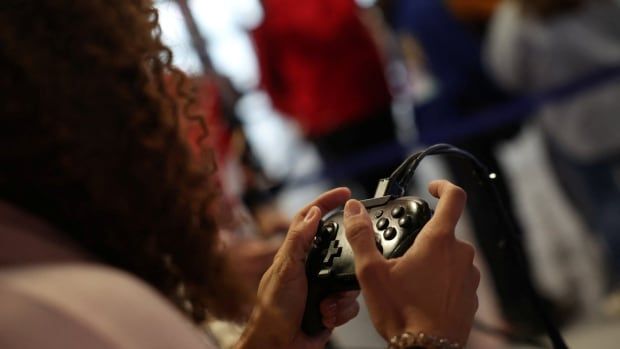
(396, 185)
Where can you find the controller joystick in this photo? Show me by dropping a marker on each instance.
(330, 265)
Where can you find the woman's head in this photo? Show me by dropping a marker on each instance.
(90, 140)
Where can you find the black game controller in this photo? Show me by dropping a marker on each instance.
(330, 265)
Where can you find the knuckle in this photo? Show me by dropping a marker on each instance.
(298, 241)
(294, 236)
(283, 267)
(476, 277)
(457, 192)
(357, 228)
(476, 303)
(299, 216)
(441, 236)
(468, 252)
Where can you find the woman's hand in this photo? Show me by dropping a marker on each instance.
(250, 259)
(432, 287)
(276, 319)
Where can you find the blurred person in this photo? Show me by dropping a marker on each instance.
(104, 209)
(244, 184)
(246, 227)
(442, 42)
(320, 67)
(537, 45)
(473, 10)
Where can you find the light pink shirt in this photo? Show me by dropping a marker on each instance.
(52, 296)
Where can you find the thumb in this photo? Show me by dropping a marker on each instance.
(299, 237)
(361, 235)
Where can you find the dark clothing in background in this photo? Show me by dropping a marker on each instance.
(528, 54)
(453, 55)
(452, 50)
(367, 147)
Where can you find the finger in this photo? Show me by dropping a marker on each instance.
(347, 310)
(361, 236)
(299, 237)
(336, 311)
(329, 310)
(330, 306)
(326, 202)
(305, 224)
(451, 203)
(338, 298)
(347, 295)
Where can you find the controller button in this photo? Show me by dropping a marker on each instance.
(405, 222)
(333, 252)
(324, 273)
(398, 211)
(382, 223)
(389, 233)
(329, 230)
(378, 214)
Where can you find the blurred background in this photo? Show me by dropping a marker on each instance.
(304, 95)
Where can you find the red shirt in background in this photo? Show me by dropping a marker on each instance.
(319, 64)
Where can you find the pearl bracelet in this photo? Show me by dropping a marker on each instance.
(421, 340)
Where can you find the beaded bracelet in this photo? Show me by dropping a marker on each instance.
(421, 340)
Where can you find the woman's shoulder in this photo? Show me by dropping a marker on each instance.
(78, 305)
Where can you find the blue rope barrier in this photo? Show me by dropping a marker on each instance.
(480, 123)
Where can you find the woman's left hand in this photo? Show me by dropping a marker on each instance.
(276, 319)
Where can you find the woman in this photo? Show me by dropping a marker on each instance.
(102, 214)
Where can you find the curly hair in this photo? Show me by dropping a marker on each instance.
(90, 140)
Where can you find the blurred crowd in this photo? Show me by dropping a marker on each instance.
(477, 73)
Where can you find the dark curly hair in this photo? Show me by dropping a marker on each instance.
(91, 140)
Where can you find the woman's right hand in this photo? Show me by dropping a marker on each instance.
(432, 287)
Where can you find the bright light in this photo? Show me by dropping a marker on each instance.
(366, 3)
(175, 35)
(492, 175)
(225, 24)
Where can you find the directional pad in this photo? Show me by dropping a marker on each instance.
(332, 252)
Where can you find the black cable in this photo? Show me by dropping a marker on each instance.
(400, 179)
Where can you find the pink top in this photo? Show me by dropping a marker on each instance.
(52, 296)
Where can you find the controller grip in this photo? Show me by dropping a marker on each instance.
(312, 322)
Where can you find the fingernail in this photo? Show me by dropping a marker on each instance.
(312, 213)
(352, 208)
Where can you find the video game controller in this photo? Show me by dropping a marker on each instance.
(330, 265)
